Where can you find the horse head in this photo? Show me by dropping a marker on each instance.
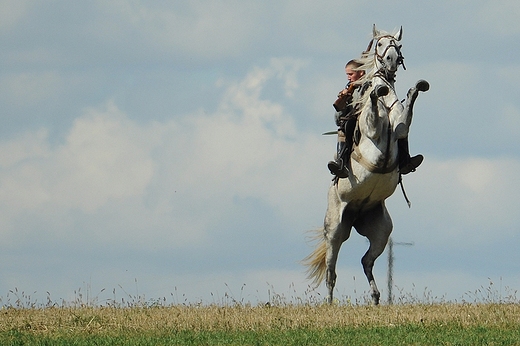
(387, 51)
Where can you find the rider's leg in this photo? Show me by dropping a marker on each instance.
(345, 142)
(407, 164)
(337, 167)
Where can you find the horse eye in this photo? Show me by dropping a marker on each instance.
(379, 44)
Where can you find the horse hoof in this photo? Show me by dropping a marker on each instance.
(381, 90)
(422, 85)
(375, 299)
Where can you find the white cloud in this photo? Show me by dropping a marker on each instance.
(159, 176)
(101, 159)
(252, 144)
(464, 202)
(129, 176)
(105, 157)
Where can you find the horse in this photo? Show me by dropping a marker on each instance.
(359, 200)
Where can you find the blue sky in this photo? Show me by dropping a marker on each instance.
(174, 149)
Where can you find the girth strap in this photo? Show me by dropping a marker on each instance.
(356, 155)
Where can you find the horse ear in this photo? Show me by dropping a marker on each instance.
(399, 34)
(374, 31)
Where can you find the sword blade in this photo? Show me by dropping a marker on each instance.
(329, 133)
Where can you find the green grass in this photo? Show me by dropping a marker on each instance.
(408, 334)
(416, 324)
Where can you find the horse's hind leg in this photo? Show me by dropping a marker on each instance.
(376, 225)
(333, 246)
(336, 230)
(335, 235)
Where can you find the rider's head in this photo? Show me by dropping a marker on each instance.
(351, 69)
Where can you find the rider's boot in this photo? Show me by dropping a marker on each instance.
(407, 164)
(338, 167)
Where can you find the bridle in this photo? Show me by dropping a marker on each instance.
(380, 57)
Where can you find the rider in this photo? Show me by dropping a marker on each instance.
(346, 118)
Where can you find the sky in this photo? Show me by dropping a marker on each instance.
(173, 150)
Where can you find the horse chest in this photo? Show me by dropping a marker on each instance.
(367, 188)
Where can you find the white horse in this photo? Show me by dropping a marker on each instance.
(359, 200)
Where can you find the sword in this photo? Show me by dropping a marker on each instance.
(329, 133)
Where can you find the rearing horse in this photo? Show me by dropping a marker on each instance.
(359, 200)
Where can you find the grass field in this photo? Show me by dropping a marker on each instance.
(410, 324)
(487, 316)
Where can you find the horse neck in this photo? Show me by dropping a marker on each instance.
(382, 76)
(377, 125)
(373, 125)
(376, 150)
(391, 101)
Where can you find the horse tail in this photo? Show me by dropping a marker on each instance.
(315, 262)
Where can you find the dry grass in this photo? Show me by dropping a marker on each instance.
(114, 320)
(489, 314)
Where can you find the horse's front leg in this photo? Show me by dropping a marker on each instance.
(379, 90)
(421, 85)
(372, 123)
